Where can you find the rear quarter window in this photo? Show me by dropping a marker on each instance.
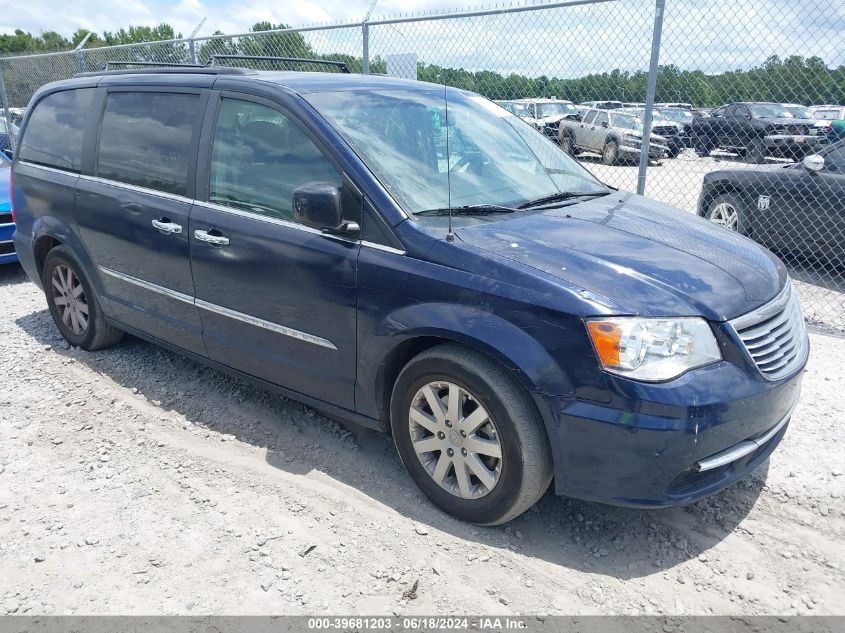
(53, 134)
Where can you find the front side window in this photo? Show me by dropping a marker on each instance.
(602, 118)
(259, 157)
(418, 146)
(591, 116)
(145, 139)
(54, 132)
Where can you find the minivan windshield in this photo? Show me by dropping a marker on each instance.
(493, 158)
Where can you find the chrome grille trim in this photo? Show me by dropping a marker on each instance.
(774, 335)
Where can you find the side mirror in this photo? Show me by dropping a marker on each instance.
(318, 205)
(604, 123)
(813, 162)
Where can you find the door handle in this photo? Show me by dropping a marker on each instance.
(164, 225)
(208, 236)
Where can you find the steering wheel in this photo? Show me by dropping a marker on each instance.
(473, 163)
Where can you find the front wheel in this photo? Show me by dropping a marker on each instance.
(728, 211)
(470, 438)
(73, 304)
(610, 153)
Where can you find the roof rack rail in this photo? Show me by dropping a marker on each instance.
(153, 64)
(295, 60)
(169, 69)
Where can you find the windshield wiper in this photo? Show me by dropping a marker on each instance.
(560, 197)
(469, 209)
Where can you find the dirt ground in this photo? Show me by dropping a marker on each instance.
(134, 481)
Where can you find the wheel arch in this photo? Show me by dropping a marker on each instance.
(512, 349)
(717, 189)
(49, 232)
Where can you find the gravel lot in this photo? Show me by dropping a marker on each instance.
(134, 481)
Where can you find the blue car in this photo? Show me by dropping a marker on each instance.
(414, 259)
(7, 222)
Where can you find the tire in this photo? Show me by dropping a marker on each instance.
(755, 151)
(723, 206)
(610, 152)
(675, 151)
(567, 144)
(511, 482)
(70, 296)
(702, 145)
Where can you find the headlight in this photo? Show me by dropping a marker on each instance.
(650, 349)
(627, 139)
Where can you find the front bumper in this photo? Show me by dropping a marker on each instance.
(790, 144)
(657, 445)
(7, 245)
(655, 151)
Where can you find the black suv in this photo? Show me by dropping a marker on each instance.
(756, 130)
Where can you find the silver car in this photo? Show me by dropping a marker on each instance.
(616, 135)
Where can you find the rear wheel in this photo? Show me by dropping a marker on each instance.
(469, 436)
(567, 144)
(73, 304)
(610, 153)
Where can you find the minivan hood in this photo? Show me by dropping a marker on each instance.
(643, 256)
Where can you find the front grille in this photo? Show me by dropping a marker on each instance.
(5, 218)
(793, 130)
(775, 335)
(7, 248)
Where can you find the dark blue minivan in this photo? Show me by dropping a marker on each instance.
(416, 259)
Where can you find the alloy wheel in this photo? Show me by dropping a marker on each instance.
(69, 299)
(725, 214)
(455, 440)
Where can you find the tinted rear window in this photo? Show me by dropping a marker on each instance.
(53, 135)
(145, 139)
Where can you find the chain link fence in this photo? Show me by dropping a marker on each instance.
(707, 106)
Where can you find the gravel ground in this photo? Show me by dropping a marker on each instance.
(134, 481)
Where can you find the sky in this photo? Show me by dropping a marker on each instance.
(711, 35)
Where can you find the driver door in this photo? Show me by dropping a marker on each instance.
(277, 298)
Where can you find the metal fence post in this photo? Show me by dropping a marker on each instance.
(192, 48)
(659, 6)
(5, 102)
(365, 34)
(80, 56)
